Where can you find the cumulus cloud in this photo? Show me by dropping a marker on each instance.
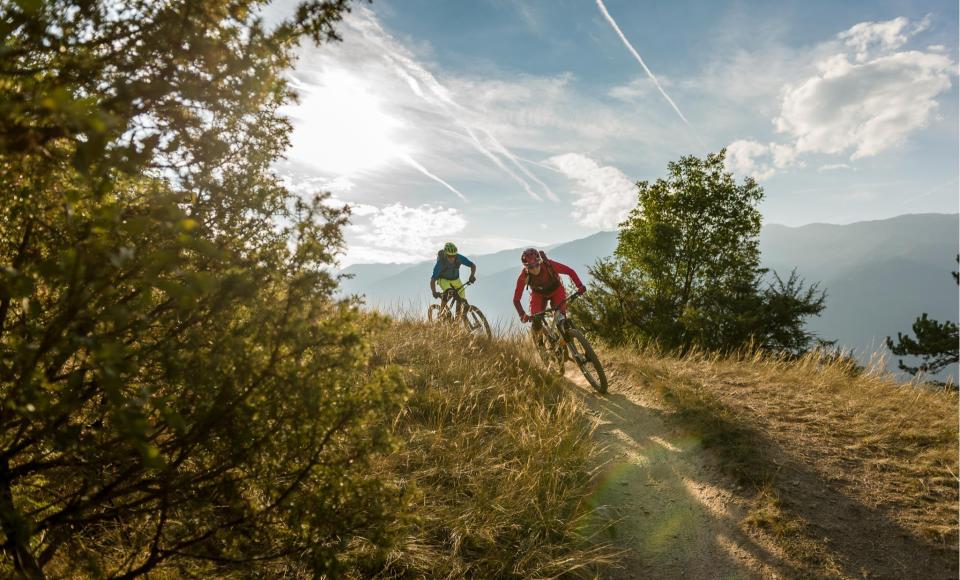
(864, 107)
(886, 36)
(356, 209)
(605, 195)
(308, 186)
(760, 160)
(412, 231)
(858, 103)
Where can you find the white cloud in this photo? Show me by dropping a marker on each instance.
(414, 230)
(606, 195)
(638, 88)
(309, 186)
(865, 107)
(881, 36)
(420, 124)
(857, 107)
(356, 209)
(361, 254)
(760, 160)
(833, 167)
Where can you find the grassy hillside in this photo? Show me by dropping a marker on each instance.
(852, 475)
(496, 457)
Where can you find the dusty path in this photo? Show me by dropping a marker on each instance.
(677, 515)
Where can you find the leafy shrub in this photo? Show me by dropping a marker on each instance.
(178, 388)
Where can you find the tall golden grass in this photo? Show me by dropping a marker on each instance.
(862, 436)
(496, 456)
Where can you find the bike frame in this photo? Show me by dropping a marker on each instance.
(556, 329)
(556, 341)
(455, 295)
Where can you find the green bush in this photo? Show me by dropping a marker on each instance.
(178, 388)
(686, 271)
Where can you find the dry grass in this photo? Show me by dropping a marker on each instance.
(814, 438)
(497, 457)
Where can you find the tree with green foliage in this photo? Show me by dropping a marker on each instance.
(178, 386)
(937, 344)
(686, 271)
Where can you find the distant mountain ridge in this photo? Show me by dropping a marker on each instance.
(879, 275)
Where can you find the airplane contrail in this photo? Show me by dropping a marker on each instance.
(440, 96)
(539, 164)
(416, 165)
(427, 87)
(509, 155)
(636, 55)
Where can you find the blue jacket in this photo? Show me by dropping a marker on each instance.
(449, 271)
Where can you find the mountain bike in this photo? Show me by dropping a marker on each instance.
(453, 308)
(562, 340)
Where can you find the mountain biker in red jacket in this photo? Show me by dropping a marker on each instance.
(543, 278)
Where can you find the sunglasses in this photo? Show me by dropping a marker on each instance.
(532, 266)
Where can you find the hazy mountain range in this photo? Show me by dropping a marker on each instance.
(879, 275)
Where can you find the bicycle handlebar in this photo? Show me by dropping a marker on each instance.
(451, 288)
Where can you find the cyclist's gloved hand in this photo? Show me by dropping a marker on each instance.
(524, 317)
(437, 295)
(472, 279)
(581, 291)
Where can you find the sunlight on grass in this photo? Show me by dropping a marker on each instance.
(497, 456)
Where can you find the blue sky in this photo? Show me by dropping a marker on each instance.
(500, 123)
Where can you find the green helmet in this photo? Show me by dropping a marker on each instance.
(450, 249)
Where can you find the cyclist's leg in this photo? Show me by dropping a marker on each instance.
(462, 292)
(444, 284)
(537, 304)
(558, 296)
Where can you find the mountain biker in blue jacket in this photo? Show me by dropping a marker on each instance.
(446, 272)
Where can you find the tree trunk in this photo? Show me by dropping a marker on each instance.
(16, 530)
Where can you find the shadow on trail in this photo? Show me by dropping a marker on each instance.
(679, 521)
(675, 514)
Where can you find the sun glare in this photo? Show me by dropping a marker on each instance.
(340, 127)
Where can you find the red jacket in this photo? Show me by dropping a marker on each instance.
(542, 278)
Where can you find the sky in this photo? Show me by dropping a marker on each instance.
(505, 123)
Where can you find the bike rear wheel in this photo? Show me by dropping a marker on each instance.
(587, 360)
(476, 322)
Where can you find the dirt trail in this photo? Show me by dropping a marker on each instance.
(677, 514)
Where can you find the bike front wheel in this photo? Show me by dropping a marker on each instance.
(587, 360)
(438, 313)
(546, 350)
(476, 322)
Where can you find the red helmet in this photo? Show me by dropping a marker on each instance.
(530, 257)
